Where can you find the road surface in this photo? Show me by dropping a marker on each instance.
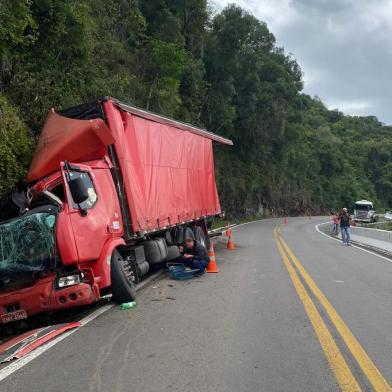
(290, 310)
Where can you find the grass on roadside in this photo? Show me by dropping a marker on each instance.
(381, 225)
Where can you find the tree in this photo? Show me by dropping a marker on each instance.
(223, 72)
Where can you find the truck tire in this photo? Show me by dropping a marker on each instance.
(123, 279)
(169, 238)
(173, 252)
(202, 238)
(152, 251)
(155, 250)
(189, 233)
(162, 247)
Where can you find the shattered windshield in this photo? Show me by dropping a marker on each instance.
(27, 243)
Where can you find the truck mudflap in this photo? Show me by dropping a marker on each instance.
(23, 344)
(42, 297)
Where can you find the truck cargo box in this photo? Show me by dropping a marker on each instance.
(168, 172)
(167, 166)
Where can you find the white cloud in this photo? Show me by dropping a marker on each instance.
(353, 106)
(344, 48)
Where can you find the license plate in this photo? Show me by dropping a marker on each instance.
(14, 316)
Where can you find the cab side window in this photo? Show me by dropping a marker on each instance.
(92, 195)
(58, 191)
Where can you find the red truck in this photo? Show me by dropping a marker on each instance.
(113, 189)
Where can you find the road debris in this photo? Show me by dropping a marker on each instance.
(128, 305)
(22, 345)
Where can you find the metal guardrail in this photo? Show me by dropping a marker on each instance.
(377, 234)
(327, 230)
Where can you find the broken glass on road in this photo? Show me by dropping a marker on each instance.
(27, 243)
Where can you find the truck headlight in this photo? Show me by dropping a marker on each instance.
(66, 281)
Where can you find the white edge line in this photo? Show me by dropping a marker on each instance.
(268, 219)
(19, 363)
(259, 220)
(354, 246)
(255, 221)
(16, 365)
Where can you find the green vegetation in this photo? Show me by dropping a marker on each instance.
(381, 225)
(15, 147)
(223, 72)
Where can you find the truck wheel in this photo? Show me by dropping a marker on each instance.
(155, 250)
(123, 279)
(173, 252)
(162, 247)
(169, 238)
(189, 233)
(202, 238)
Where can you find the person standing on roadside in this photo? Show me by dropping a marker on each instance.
(335, 220)
(345, 227)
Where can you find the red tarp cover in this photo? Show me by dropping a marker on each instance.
(66, 139)
(168, 173)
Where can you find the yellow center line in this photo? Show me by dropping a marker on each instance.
(364, 361)
(337, 363)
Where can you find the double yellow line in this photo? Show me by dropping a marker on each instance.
(337, 363)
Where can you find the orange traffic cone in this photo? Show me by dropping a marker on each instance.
(285, 221)
(228, 231)
(211, 267)
(230, 243)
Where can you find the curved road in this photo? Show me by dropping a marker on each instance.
(290, 310)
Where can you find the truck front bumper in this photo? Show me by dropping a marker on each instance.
(44, 297)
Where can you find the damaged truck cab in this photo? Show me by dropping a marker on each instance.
(112, 191)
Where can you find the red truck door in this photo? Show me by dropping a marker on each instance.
(98, 218)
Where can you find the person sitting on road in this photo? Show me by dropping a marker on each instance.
(194, 255)
(335, 220)
(345, 227)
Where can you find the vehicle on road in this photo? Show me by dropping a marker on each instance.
(388, 216)
(112, 189)
(364, 212)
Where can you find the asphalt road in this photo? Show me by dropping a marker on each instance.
(260, 324)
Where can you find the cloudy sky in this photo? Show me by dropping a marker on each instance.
(344, 48)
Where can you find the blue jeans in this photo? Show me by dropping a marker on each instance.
(200, 264)
(335, 229)
(345, 235)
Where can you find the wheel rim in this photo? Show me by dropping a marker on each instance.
(128, 271)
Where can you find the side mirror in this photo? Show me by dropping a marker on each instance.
(78, 190)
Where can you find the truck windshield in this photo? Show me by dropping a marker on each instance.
(27, 243)
(363, 207)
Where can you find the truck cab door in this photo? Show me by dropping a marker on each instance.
(96, 218)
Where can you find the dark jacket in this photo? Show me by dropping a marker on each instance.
(198, 251)
(344, 219)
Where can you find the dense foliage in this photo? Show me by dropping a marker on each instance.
(223, 71)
